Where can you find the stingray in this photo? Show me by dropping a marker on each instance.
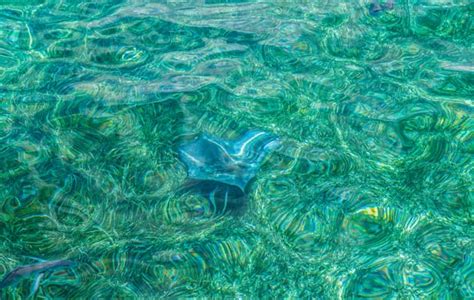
(221, 169)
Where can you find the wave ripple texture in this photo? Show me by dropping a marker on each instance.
(369, 194)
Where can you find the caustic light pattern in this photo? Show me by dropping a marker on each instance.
(236, 149)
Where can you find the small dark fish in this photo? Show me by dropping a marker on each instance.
(18, 273)
(375, 7)
(389, 5)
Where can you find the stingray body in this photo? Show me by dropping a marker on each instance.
(221, 169)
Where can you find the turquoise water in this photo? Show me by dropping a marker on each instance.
(369, 195)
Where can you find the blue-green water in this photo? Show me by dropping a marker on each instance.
(370, 194)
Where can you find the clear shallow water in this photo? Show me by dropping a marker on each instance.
(369, 195)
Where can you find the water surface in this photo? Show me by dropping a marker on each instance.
(368, 196)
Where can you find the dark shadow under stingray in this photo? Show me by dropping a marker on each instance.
(221, 170)
(222, 197)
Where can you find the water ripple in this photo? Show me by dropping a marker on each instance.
(368, 195)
